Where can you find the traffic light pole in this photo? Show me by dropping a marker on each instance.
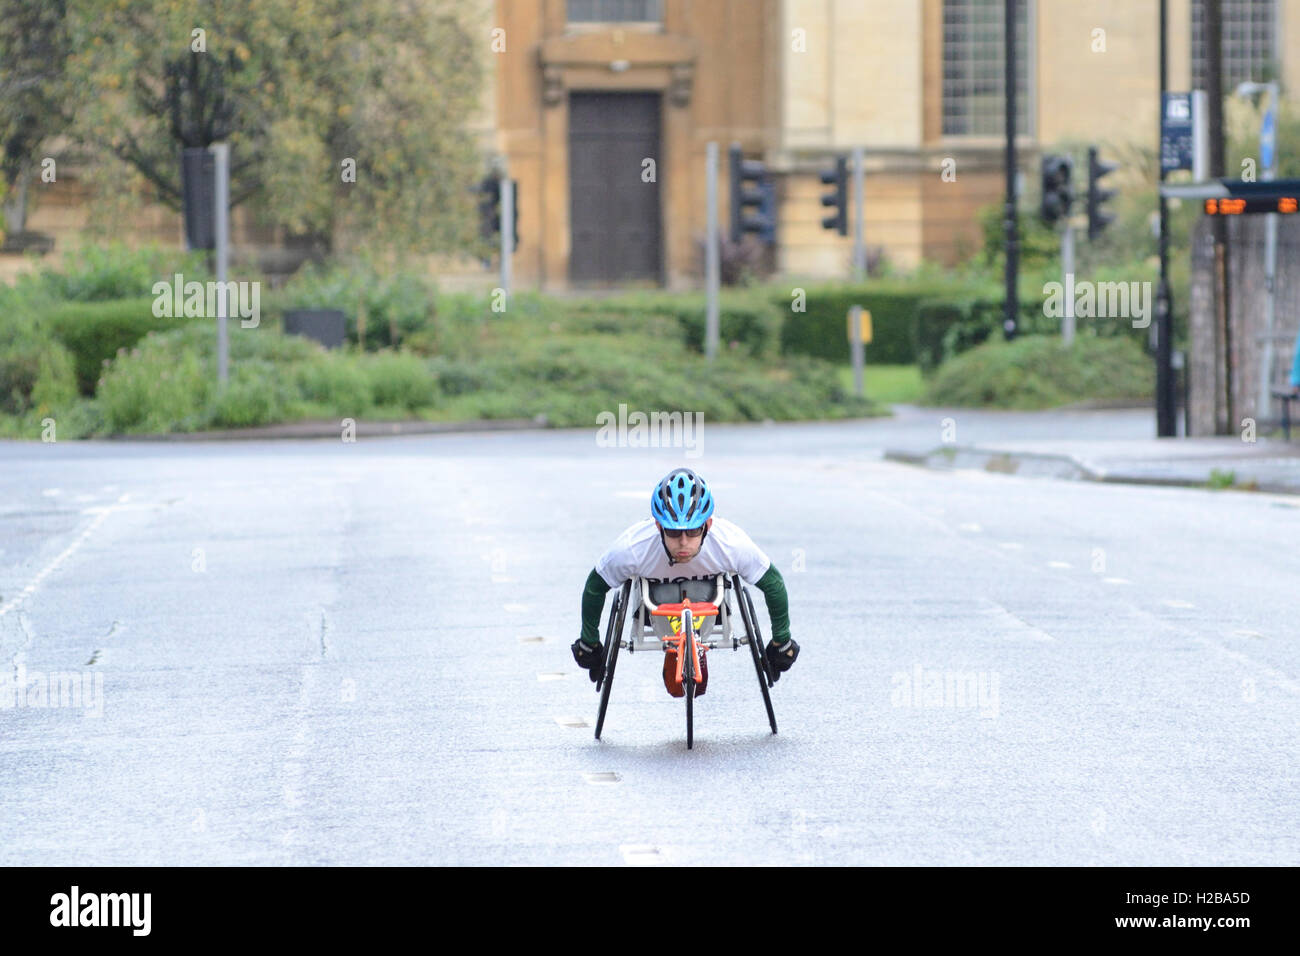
(1166, 401)
(1012, 304)
(711, 258)
(1067, 270)
(221, 221)
(507, 228)
(859, 249)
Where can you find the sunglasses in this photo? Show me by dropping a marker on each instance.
(690, 533)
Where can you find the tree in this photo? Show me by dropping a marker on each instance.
(309, 93)
(33, 49)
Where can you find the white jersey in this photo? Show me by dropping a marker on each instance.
(639, 552)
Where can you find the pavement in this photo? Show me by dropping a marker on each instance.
(1265, 464)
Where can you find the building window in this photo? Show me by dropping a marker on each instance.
(615, 11)
(973, 68)
(1249, 42)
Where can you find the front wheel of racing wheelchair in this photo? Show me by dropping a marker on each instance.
(660, 609)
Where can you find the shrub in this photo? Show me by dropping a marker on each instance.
(400, 379)
(157, 387)
(95, 273)
(1039, 371)
(35, 373)
(254, 395)
(336, 381)
(94, 332)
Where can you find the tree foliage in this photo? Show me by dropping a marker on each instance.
(301, 90)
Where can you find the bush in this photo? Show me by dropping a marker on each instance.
(896, 306)
(94, 332)
(1039, 371)
(336, 381)
(400, 379)
(35, 373)
(158, 387)
(94, 273)
(254, 395)
(395, 305)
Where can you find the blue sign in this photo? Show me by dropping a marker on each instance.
(1267, 139)
(1176, 132)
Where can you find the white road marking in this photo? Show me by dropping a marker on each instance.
(532, 639)
(1242, 632)
(641, 854)
(1178, 604)
(572, 721)
(552, 675)
(601, 777)
(516, 608)
(62, 556)
(1116, 580)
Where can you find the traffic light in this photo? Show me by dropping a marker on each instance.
(838, 198)
(751, 186)
(1098, 218)
(1058, 195)
(489, 208)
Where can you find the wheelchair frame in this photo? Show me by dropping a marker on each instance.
(643, 634)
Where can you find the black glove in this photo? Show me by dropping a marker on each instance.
(781, 657)
(590, 657)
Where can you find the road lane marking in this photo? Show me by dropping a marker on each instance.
(532, 639)
(572, 721)
(641, 854)
(552, 675)
(62, 556)
(600, 778)
(1116, 580)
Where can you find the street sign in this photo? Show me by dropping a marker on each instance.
(1267, 139)
(864, 322)
(1176, 128)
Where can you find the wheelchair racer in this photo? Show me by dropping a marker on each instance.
(680, 535)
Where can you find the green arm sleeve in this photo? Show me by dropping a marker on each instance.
(593, 602)
(778, 604)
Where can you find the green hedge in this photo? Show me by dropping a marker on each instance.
(1039, 371)
(94, 332)
(821, 330)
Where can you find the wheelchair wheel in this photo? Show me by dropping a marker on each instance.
(688, 685)
(613, 632)
(750, 620)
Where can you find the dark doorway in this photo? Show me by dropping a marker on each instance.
(614, 215)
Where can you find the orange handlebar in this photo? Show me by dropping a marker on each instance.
(699, 609)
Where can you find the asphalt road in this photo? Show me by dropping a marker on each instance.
(319, 652)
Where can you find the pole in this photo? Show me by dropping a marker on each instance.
(1166, 401)
(221, 223)
(1270, 271)
(859, 249)
(711, 255)
(507, 229)
(1067, 270)
(1224, 413)
(1012, 305)
(857, 348)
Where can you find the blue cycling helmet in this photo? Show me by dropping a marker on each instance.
(681, 501)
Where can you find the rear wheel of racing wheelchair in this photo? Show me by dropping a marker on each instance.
(755, 637)
(613, 633)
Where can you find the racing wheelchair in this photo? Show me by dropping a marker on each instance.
(690, 618)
